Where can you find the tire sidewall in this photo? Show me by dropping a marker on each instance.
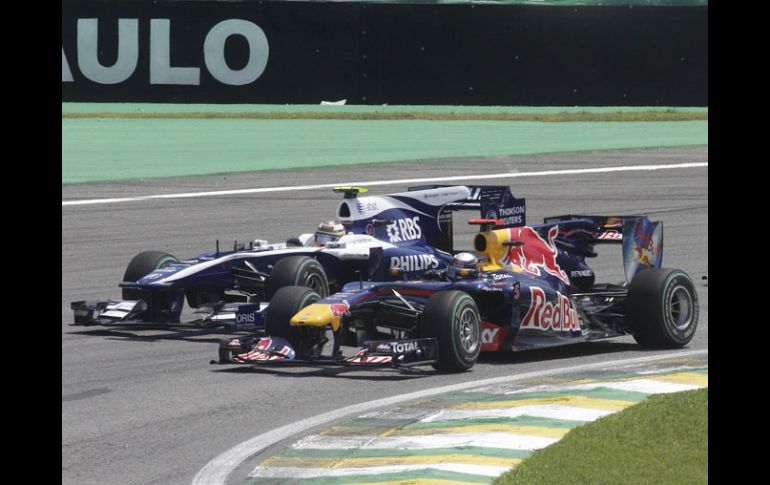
(309, 270)
(675, 281)
(464, 303)
(442, 320)
(141, 265)
(297, 271)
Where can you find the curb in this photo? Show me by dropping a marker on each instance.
(423, 407)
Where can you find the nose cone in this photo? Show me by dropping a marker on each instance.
(317, 315)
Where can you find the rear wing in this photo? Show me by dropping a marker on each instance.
(491, 201)
(642, 239)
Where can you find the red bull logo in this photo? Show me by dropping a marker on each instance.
(560, 316)
(339, 309)
(535, 254)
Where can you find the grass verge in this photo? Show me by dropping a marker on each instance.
(663, 439)
(653, 115)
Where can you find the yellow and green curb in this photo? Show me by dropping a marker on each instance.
(471, 436)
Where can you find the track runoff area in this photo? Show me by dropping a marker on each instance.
(670, 184)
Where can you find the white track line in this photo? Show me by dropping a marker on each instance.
(372, 183)
(217, 470)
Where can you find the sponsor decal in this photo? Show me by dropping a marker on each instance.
(245, 318)
(401, 347)
(364, 206)
(161, 70)
(511, 215)
(492, 337)
(559, 316)
(414, 262)
(406, 229)
(610, 236)
(581, 273)
(489, 335)
(536, 253)
(370, 229)
(501, 276)
(340, 309)
(451, 194)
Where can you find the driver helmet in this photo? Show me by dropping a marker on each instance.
(463, 266)
(329, 231)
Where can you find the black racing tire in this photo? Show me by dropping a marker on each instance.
(453, 318)
(225, 352)
(286, 302)
(297, 271)
(142, 264)
(662, 308)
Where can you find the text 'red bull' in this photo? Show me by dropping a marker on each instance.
(544, 315)
(535, 252)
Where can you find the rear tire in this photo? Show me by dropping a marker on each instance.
(662, 308)
(453, 318)
(286, 302)
(297, 271)
(142, 264)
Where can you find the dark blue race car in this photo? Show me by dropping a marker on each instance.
(523, 287)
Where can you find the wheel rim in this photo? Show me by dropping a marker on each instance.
(469, 330)
(317, 284)
(680, 307)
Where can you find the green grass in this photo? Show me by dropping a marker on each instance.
(661, 440)
(565, 116)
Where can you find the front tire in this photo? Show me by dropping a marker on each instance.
(142, 264)
(286, 302)
(297, 271)
(453, 318)
(662, 308)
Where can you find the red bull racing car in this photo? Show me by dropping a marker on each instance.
(523, 287)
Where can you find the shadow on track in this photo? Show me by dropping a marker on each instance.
(556, 353)
(334, 372)
(304, 370)
(210, 335)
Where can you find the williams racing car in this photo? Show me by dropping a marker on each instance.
(523, 287)
(233, 288)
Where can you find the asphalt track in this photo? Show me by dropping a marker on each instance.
(145, 407)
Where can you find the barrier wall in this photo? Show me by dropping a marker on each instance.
(306, 52)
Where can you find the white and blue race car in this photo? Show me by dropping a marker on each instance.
(412, 230)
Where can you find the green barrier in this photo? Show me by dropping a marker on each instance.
(115, 149)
